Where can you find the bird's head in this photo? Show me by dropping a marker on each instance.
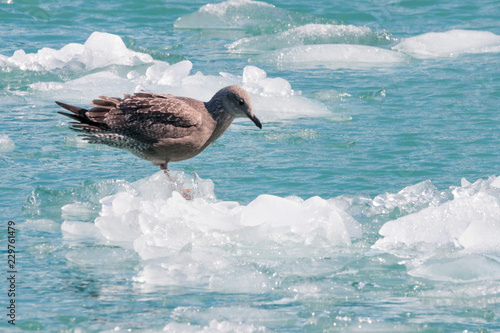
(237, 102)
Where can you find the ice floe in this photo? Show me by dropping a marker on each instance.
(202, 240)
(88, 67)
(99, 51)
(450, 235)
(450, 43)
(241, 15)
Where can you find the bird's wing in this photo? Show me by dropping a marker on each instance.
(145, 117)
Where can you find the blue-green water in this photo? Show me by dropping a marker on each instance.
(370, 200)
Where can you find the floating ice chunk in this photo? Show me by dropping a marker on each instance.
(236, 14)
(103, 49)
(273, 98)
(276, 98)
(454, 241)
(162, 73)
(86, 88)
(203, 242)
(458, 222)
(309, 34)
(332, 56)
(314, 221)
(256, 81)
(100, 50)
(469, 189)
(46, 59)
(409, 199)
(449, 43)
(6, 144)
(496, 182)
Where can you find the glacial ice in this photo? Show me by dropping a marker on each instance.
(99, 51)
(224, 246)
(196, 241)
(273, 98)
(449, 43)
(239, 15)
(449, 234)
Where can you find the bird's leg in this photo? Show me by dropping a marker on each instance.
(164, 167)
(186, 193)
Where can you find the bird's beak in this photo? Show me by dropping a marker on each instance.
(255, 120)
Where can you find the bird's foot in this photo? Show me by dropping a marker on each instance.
(187, 194)
(177, 185)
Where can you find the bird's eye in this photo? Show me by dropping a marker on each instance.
(241, 102)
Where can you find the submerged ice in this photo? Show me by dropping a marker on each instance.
(332, 56)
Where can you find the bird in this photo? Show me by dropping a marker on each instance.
(160, 128)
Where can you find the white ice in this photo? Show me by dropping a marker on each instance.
(449, 234)
(450, 43)
(273, 98)
(99, 51)
(232, 14)
(210, 243)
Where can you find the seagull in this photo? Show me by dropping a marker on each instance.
(160, 128)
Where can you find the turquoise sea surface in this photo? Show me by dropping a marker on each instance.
(369, 201)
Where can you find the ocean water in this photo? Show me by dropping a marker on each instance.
(369, 201)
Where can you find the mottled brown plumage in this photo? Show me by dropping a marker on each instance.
(160, 128)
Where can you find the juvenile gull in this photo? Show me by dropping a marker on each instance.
(161, 128)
